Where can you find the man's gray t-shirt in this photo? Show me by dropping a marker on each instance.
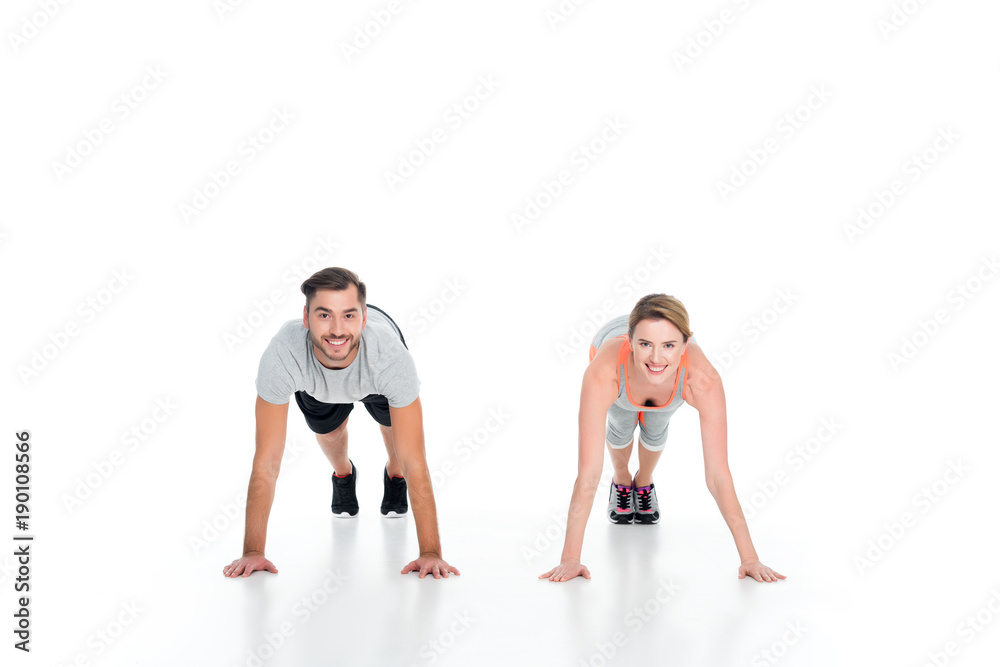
(383, 366)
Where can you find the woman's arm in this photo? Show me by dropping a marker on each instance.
(598, 393)
(705, 393)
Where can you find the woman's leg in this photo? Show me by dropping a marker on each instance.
(647, 463)
(619, 459)
(619, 438)
(652, 440)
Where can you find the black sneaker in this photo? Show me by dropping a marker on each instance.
(345, 500)
(394, 496)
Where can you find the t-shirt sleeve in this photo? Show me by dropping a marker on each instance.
(400, 384)
(276, 373)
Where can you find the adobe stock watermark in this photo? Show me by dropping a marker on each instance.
(86, 311)
(637, 618)
(454, 117)
(967, 629)
(122, 106)
(913, 169)
(302, 610)
(263, 307)
(249, 148)
(786, 127)
(223, 8)
(229, 513)
(779, 648)
(108, 634)
(626, 289)
(32, 24)
(561, 12)
(580, 160)
(754, 327)
(795, 459)
(923, 501)
(425, 315)
(469, 445)
(926, 329)
(899, 15)
(131, 440)
(711, 30)
(553, 533)
(432, 649)
(366, 33)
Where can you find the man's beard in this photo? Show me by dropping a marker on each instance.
(323, 347)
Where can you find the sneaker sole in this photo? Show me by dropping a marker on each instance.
(393, 515)
(345, 515)
(646, 519)
(620, 519)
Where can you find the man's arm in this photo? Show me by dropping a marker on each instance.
(408, 439)
(270, 445)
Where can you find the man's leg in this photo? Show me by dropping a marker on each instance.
(334, 446)
(345, 476)
(392, 466)
(394, 503)
(378, 407)
(329, 422)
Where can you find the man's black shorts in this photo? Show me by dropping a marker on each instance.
(325, 417)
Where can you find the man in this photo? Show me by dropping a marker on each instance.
(341, 352)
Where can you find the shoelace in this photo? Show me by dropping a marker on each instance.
(343, 491)
(645, 499)
(624, 497)
(395, 492)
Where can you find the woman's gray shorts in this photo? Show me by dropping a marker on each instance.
(652, 428)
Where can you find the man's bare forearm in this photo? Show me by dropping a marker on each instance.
(418, 484)
(260, 495)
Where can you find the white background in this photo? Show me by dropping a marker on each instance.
(521, 300)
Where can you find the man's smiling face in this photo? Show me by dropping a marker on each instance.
(335, 321)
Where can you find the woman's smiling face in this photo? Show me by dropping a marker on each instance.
(657, 346)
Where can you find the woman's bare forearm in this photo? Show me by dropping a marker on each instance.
(576, 521)
(725, 497)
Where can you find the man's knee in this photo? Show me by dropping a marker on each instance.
(337, 433)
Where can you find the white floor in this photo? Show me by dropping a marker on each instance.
(664, 592)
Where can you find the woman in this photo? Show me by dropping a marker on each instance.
(642, 369)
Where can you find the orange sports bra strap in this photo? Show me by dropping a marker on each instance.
(622, 357)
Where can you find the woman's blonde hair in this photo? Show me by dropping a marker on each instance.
(660, 307)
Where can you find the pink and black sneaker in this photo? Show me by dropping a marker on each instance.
(620, 506)
(647, 510)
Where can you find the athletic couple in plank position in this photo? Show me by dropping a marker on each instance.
(344, 350)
